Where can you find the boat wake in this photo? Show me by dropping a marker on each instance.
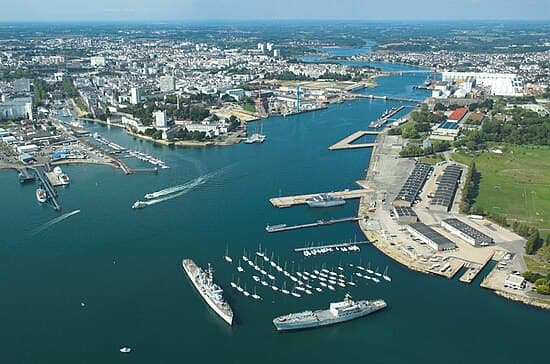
(55, 221)
(169, 193)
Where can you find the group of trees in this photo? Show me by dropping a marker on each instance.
(287, 76)
(188, 112)
(534, 242)
(542, 284)
(471, 187)
(413, 130)
(414, 150)
(153, 133)
(184, 134)
(520, 126)
(41, 89)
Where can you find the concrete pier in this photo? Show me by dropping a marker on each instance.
(52, 193)
(346, 143)
(284, 227)
(25, 175)
(389, 98)
(53, 179)
(289, 201)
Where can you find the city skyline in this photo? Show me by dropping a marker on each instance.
(172, 10)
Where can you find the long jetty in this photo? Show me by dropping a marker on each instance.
(289, 201)
(347, 142)
(333, 246)
(380, 122)
(388, 98)
(283, 227)
(52, 193)
(25, 175)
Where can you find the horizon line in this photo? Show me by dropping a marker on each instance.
(175, 21)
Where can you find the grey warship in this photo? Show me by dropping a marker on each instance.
(338, 312)
(203, 281)
(325, 200)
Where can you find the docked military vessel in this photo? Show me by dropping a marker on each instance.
(203, 281)
(325, 200)
(338, 312)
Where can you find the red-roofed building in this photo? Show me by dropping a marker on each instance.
(458, 115)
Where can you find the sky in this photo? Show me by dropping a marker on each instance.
(200, 10)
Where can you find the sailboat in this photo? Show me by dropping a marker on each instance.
(385, 275)
(226, 256)
(245, 257)
(284, 290)
(239, 288)
(377, 273)
(255, 295)
(239, 268)
(245, 292)
(370, 271)
(259, 252)
(233, 284)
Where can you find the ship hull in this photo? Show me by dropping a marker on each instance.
(326, 204)
(324, 319)
(190, 268)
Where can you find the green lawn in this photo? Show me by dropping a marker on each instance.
(250, 108)
(535, 265)
(515, 184)
(432, 159)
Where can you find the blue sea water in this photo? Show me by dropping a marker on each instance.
(125, 265)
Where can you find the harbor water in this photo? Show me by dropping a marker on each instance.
(75, 290)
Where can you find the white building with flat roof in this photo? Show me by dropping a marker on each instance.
(167, 83)
(161, 120)
(18, 108)
(500, 84)
(515, 281)
(135, 95)
(97, 61)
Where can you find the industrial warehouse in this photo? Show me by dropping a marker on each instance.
(405, 215)
(466, 232)
(431, 237)
(448, 183)
(409, 192)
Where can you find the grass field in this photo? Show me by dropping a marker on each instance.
(249, 108)
(432, 159)
(515, 184)
(536, 265)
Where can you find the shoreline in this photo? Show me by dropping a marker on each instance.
(412, 263)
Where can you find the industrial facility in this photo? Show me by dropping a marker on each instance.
(431, 237)
(409, 192)
(466, 232)
(405, 215)
(446, 189)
